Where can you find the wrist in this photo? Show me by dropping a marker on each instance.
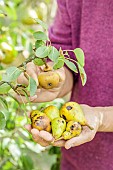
(100, 116)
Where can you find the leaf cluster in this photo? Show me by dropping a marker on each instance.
(41, 51)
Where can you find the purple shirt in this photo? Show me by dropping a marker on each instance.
(89, 24)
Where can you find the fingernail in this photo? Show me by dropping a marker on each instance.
(37, 82)
(33, 97)
(68, 146)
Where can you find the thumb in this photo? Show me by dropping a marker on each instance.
(61, 73)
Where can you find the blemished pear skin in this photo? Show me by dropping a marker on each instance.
(52, 112)
(40, 121)
(68, 135)
(58, 127)
(48, 80)
(73, 129)
(36, 113)
(73, 111)
(74, 126)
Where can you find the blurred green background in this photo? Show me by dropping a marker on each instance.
(17, 149)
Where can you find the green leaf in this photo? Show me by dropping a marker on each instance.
(6, 113)
(41, 23)
(27, 162)
(12, 73)
(39, 35)
(4, 88)
(10, 124)
(53, 54)
(38, 61)
(30, 48)
(39, 43)
(82, 74)
(2, 121)
(54, 150)
(80, 56)
(71, 65)
(32, 87)
(4, 103)
(59, 63)
(42, 52)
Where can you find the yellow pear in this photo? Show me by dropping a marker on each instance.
(73, 129)
(73, 111)
(68, 135)
(48, 80)
(36, 113)
(52, 112)
(40, 121)
(74, 126)
(7, 53)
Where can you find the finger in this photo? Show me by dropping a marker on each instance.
(23, 99)
(45, 96)
(37, 138)
(33, 71)
(79, 140)
(28, 127)
(46, 136)
(61, 73)
(22, 79)
(59, 143)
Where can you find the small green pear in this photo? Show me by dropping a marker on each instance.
(58, 127)
(52, 112)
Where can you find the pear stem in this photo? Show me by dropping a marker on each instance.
(47, 67)
(45, 63)
(90, 127)
(59, 139)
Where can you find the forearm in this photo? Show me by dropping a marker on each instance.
(68, 84)
(106, 118)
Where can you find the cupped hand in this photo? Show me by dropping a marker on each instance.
(42, 95)
(43, 138)
(94, 119)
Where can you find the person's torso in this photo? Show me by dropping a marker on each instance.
(92, 30)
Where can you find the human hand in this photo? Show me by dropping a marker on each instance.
(93, 118)
(42, 137)
(42, 95)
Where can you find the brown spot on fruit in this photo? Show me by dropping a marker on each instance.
(49, 84)
(63, 117)
(69, 107)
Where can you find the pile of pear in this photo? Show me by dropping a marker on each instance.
(65, 123)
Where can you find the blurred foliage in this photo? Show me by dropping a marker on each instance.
(17, 25)
(17, 149)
